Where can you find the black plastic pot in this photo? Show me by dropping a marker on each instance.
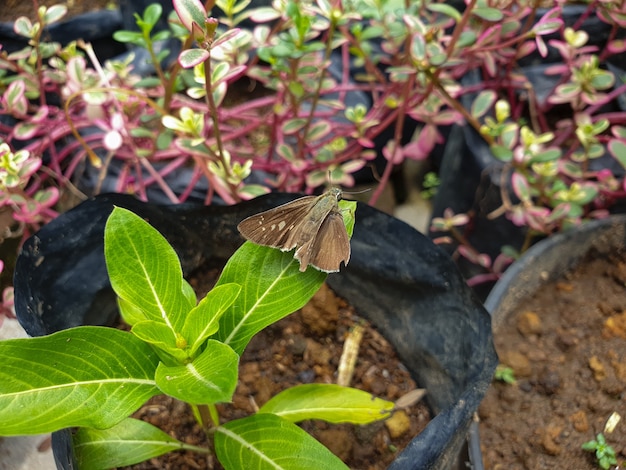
(396, 278)
(548, 261)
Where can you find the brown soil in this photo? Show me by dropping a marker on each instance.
(303, 348)
(567, 346)
(13, 9)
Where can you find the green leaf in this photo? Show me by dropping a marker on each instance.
(501, 153)
(129, 442)
(618, 150)
(445, 9)
(348, 211)
(318, 131)
(151, 15)
(483, 102)
(250, 191)
(144, 269)
(292, 126)
(191, 57)
(547, 155)
(328, 402)
(272, 288)
(488, 14)
(23, 27)
(86, 376)
(466, 39)
(266, 441)
(132, 37)
(210, 378)
(203, 320)
(54, 14)
(160, 336)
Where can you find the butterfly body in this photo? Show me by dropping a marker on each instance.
(312, 224)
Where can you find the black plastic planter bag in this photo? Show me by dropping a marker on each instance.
(406, 286)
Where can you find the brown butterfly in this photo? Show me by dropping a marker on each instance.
(313, 224)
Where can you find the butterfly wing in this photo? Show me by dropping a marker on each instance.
(328, 248)
(278, 227)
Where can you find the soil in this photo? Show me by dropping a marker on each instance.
(304, 347)
(567, 347)
(13, 9)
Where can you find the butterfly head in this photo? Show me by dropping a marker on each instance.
(336, 192)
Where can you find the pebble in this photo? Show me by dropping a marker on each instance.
(529, 323)
(398, 425)
(579, 421)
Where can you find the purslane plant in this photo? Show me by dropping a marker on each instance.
(303, 60)
(551, 179)
(95, 377)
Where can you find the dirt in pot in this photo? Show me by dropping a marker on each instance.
(567, 348)
(304, 347)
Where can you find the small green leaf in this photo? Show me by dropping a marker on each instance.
(328, 402)
(203, 320)
(159, 335)
(151, 14)
(210, 378)
(54, 14)
(296, 89)
(266, 441)
(466, 39)
(488, 14)
(191, 57)
(502, 153)
(318, 131)
(23, 27)
(286, 152)
(250, 191)
(483, 103)
(132, 37)
(547, 155)
(25, 130)
(86, 376)
(618, 151)
(445, 9)
(129, 442)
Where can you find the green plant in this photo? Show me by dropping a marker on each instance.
(504, 374)
(605, 454)
(546, 146)
(95, 377)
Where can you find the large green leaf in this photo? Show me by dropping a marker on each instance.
(210, 378)
(86, 376)
(272, 288)
(266, 441)
(129, 442)
(328, 402)
(144, 269)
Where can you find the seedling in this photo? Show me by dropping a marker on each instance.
(605, 454)
(504, 374)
